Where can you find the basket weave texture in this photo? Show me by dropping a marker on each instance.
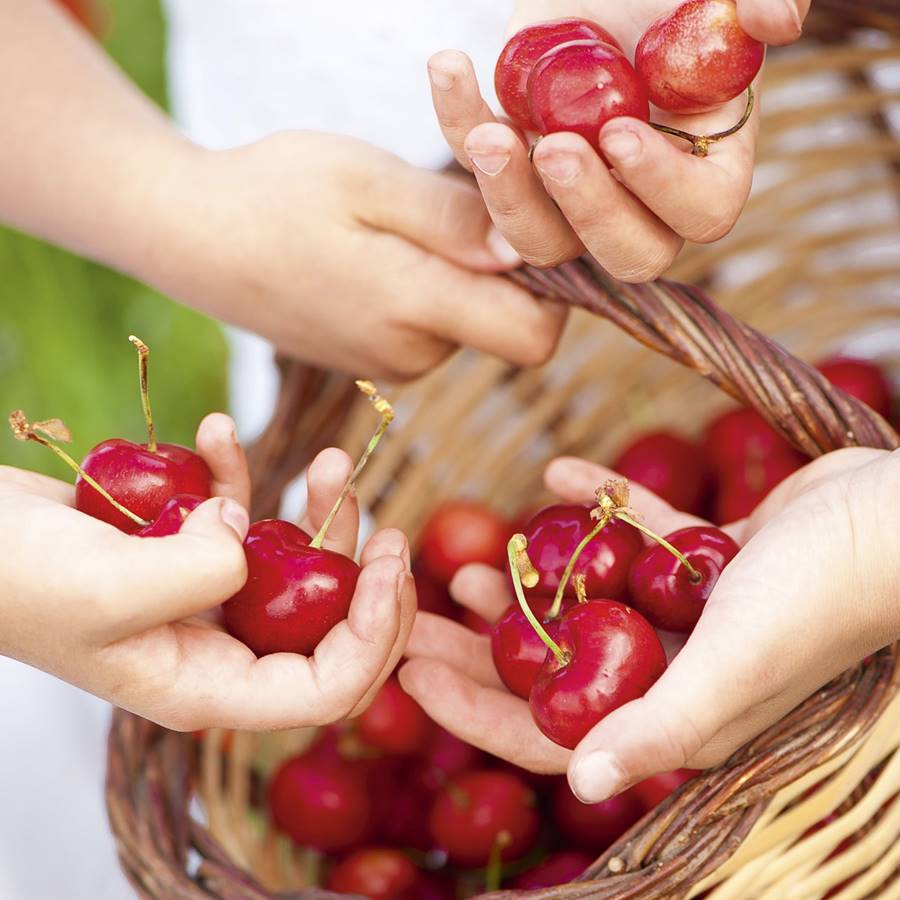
(811, 261)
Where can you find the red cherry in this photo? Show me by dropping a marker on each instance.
(172, 516)
(320, 804)
(477, 809)
(141, 480)
(559, 868)
(593, 827)
(612, 656)
(294, 593)
(376, 872)
(652, 791)
(446, 757)
(433, 597)
(664, 591)
(474, 622)
(697, 57)
(404, 817)
(861, 379)
(553, 535)
(744, 487)
(394, 723)
(524, 49)
(462, 532)
(579, 86)
(740, 435)
(669, 465)
(517, 650)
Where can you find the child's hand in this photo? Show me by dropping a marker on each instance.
(813, 591)
(120, 616)
(634, 218)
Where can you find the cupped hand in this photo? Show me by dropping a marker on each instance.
(812, 592)
(635, 217)
(124, 617)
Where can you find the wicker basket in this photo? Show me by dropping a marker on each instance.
(809, 262)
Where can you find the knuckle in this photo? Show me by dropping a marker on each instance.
(539, 346)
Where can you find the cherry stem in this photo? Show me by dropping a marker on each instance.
(387, 416)
(579, 581)
(570, 565)
(143, 356)
(494, 873)
(701, 142)
(516, 544)
(696, 577)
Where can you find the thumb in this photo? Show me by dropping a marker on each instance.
(160, 580)
(773, 21)
(443, 214)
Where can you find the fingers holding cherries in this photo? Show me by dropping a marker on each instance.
(627, 134)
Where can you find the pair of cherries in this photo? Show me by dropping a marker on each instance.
(572, 74)
(296, 591)
(575, 662)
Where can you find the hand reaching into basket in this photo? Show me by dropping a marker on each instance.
(812, 592)
(132, 619)
(635, 217)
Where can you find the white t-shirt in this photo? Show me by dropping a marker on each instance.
(240, 69)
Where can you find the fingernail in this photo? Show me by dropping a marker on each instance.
(501, 248)
(490, 162)
(562, 168)
(597, 777)
(443, 81)
(794, 12)
(622, 146)
(235, 517)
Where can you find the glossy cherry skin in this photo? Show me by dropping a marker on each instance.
(462, 532)
(671, 466)
(294, 594)
(742, 488)
(517, 650)
(652, 791)
(580, 86)
(663, 590)
(140, 480)
(379, 873)
(554, 533)
(321, 804)
(861, 379)
(558, 868)
(697, 57)
(394, 723)
(614, 656)
(474, 808)
(740, 435)
(524, 49)
(592, 827)
(172, 516)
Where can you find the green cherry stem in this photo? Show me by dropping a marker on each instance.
(143, 357)
(573, 559)
(494, 873)
(516, 544)
(387, 416)
(696, 577)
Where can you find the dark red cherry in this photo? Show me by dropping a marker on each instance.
(742, 488)
(740, 435)
(580, 86)
(612, 656)
(141, 480)
(433, 597)
(653, 790)
(558, 868)
(447, 756)
(474, 622)
(394, 723)
(517, 650)
(321, 804)
(172, 516)
(476, 809)
(524, 49)
(554, 533)
(697, 57)
(379, 873)
(294, 593)
(664, 591)
(671, 466)
(861, 379)
(593, 827)
(462, 532)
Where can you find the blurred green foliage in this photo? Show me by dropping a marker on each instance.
(64, 322)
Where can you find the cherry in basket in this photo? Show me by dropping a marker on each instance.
(592, 827)
(562, 867)
(861, 379)
(379, 873)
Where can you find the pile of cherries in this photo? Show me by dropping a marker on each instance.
(572, 74)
